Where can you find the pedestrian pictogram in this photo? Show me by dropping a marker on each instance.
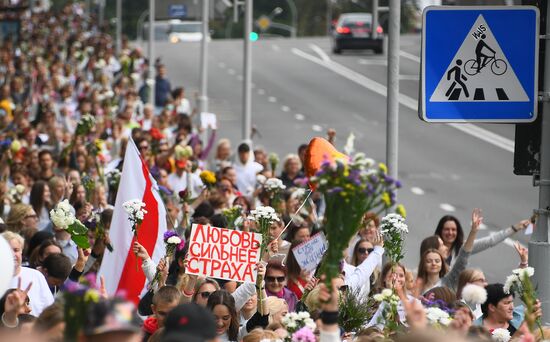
(479, 71)
(475, 68)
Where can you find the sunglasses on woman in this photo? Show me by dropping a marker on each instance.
(273, 279)
(365, 250)
(205, 294)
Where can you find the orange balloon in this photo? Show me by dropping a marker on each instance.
(318, 151)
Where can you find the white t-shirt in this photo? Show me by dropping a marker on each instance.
(178, 183)
(184, 107)
(40, 295)
(246, 176)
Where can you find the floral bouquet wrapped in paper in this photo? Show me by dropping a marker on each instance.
(351, 187)
(172, 243)
(63, 217)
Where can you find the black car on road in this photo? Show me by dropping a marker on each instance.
(354, 31)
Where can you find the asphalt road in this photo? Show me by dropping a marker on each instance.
(301, 90)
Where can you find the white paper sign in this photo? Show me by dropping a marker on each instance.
(209, 120)
(223, 253)
(309, 253)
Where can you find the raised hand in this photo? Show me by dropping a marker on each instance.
(521, 225)
(523, 253)
(16, 300)
(477, 219)
(378, 240)
(140, 251)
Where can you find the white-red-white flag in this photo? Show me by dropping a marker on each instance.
(119, 267)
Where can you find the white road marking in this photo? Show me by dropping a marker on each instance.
(299, 117)
(272, 99)
(359, 117)
(317, 128)
(231, 71)
(317, 49)
(417, 191)
(261, 91)
(275, 47)
(447, 207)
(285, 108)
(407, 101)
(410, 56)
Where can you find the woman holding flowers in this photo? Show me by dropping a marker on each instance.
(434, 272)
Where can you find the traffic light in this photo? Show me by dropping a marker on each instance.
(527, 144)
(253, 36)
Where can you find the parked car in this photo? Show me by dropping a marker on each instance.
(354, 31)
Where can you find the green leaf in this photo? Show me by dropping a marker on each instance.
(77, 228)
(81, 241)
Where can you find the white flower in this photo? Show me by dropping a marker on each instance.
(348, 149)
(309, 323)
(173, 240)
(261, 179)
(291, 325)
(387, 293)
(393, 222)
(135, 210)
(20, 188)
(378, 297)
(501, 335)
(303, 315)
(474, 294)
(437, 316)
(274, 184)
(62, 215)
(521, 272)
(263, 213)
(511, 280)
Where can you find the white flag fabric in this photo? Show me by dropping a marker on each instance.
(119, 267)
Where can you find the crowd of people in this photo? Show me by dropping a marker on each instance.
(69, 107)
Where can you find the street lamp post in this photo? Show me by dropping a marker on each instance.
(139, 26)
(151, 53)
(294, 13)
(203, 96)
(247, 73)
(392, 122)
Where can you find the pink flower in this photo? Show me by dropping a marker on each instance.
(303, 335)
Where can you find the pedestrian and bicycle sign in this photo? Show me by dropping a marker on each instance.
(479, 64)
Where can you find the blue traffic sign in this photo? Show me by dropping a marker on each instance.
(479, 64)
(177, 11)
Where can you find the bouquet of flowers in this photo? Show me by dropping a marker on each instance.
(231, 215)
(351, 187)
(136, 213)
(437, 317)
(264, 218)
(294, 322)
(519, 282)
(390, 317)
(185, 198)
(172, 243)
(89, 185)
(394, 229)
(76, 298)
(95, 149)
(273, 161)
(274, 187)
(15, 194)
(83, 128)
(113, 179)
(354, 310)
(208, 178)
(183, 152)
(501, 335)
(63, 217)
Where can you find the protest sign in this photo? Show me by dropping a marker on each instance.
(309, 253)
(223, 253)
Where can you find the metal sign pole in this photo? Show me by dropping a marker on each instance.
(392, 123)
(247, 74)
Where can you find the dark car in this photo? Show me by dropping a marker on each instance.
(354, 31)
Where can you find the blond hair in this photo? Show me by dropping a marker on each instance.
(274, 305)
(13, 236)
(259, 334)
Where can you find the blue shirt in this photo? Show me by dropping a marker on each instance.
(162, 90)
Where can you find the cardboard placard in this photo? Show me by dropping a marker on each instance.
(223, 253)
(309, 253)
